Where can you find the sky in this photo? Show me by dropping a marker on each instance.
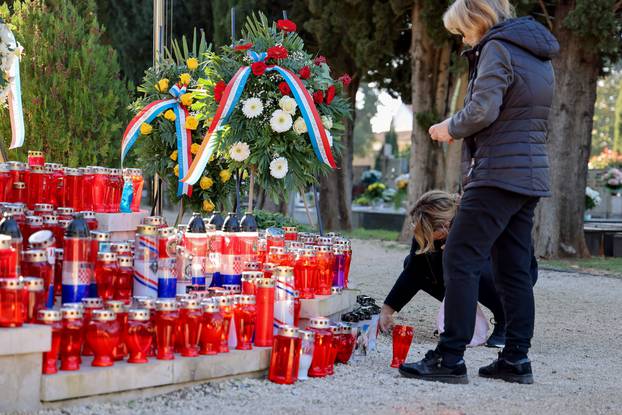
(388, 108)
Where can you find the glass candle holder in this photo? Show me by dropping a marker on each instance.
(249, 282)
(297, 308)
(339, 266)
(212, 326)
(245, 315)
(268, 269)
(100, 184)
(8, 258)
(137, 187)
(91, 220)
(73, 189)
(58, 271)
(285, 359)
(35, 158)
(42, 209)
(225, 304)
(334, 348)
(64, 213)
(402, 338)
(106, 271)
(291, 233)
(56, 194)
(322, 346)
(34, 298)
(262, 250)
(166, 320)
(72, 338)
(148, 303)
(274, 239)
(5, 182)
(307, 340)
(32, 225)
(123, 283)
(120, 311)
(264, 325)
(306, 273)
(346, 349)
(52, 318)
(89, 304)
(190, 316)
(326, 264)
(36, 264)
(37, 186)
(100, 242)
(138, 335)
(19, 193)
(11, 302)
(103, 334)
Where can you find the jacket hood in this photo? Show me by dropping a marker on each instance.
(527, 34)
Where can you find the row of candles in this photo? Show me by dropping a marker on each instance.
(91, 188)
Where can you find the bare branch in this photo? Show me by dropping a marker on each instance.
(546, 14)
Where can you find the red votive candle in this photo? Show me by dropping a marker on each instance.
(32, 225)
(211, 329)
(11, 302)
(106, 270)
(149, 304)
(103, 334)
(346, 347)
(326, 264)
(73, 190)
(402, 338)
(306, 274)
(264, 330)
(245, 314)
(190, 316)
(35, 158)
(8, 258)
(123, 283)
(285, 358)
(36, 264)
(34, 298)
(225, 304)
(52, 318)
(322, 346)
(89, 304)
(166, 319)
(120, 311)
(72, 337)
(138, 335)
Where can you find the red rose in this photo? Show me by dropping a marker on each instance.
(243, 47)
(258, 68)
(304, 72)
(319, 60)
(318, 97)
(286, 25)
(345, 80)
(330, 94)
(219, 89)
(284, 88)
(277, 52)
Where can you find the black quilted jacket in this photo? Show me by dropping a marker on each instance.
(505, 117)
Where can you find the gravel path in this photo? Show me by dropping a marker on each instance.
(577, 359)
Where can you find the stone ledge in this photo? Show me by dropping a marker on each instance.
(328, 305)
(123, 376)
(30, 338)
(120, 222)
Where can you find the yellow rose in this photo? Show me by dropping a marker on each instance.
(170, 115)
(206, 183)
(176, 170)
(225, 175)
(208, 206)
(173, 155)
(245, 175)
(191, 124)
(194, 148)
(146, 129)
(162, 85)
(192, 63)
(185, 78)
(186, 99)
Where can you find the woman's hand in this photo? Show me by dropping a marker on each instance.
(386, 318)
(440, 132)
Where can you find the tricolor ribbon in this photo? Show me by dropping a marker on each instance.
(230, 98)
(184, 136)
(14, 92)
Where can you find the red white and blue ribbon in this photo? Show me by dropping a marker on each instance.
(14, 102)
(230, 98)
(184, 136)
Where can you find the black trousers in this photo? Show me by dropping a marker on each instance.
(490, 223)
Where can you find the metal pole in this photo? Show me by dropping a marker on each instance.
(232, 25)
(316, 196)
(158, 51)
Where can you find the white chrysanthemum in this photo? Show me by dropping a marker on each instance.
(300, 126)
(288, 104)
(327, 122)
(279, 167)
(239, 151)
(252, 107)
(281, 121)
(329, 136)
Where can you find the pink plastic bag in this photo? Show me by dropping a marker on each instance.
(480, 334)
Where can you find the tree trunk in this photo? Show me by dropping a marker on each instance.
(336, 187)
(558, 229)
(432, 83)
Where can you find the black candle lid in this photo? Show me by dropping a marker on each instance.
(9, 226)
(231, 224)
(248, 223)
(216, 219)
(196, 224)
(77, 228)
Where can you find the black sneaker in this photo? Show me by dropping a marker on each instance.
(517, 372)
(497, 337)
(431, 368)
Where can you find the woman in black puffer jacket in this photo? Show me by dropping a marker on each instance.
(506, 170)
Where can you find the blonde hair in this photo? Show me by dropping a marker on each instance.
(433, 211)
(476, 16)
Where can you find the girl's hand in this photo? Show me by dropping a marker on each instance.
(440, 132)
(386, 319)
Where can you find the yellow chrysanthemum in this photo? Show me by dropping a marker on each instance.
(192, 63)
(206, 182)
(185, 78)
(176, 170)
(162, 85)
(146, 129)
(173, 155)
(225, 175)
(170, 115)
(191, 124)
(208, 206)
(186, 99)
